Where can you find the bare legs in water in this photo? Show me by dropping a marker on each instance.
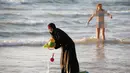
(98, 33)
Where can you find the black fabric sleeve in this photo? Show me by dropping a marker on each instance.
(57, 46)
(57, 37)
(58, 40)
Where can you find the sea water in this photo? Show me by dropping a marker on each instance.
(23, 32)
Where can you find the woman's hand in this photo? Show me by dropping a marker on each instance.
(111, 16)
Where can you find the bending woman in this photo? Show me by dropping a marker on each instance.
(68, 61)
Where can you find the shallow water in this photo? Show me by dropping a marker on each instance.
(100, 58)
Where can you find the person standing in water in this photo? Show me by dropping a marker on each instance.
(68, 60)
(99, 13)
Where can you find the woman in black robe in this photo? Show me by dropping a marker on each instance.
(68, 61)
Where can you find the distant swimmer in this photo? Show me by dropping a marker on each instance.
(99, 13)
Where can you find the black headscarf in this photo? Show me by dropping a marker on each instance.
(52, 25)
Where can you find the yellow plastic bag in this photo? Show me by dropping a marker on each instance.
(50, 44)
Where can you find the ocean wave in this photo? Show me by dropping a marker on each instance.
(106, 2)
(35, 1)
(17, 34)
(21, 22)
(124, 3)
(8, 43)
(82, 41)
(112, 2)
(11, 1)
(74, 13)
(78, 12)
(92, 40)
(121, 12)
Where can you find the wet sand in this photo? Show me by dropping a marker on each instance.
(94, 59)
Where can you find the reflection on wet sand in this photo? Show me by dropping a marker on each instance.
(100, 50)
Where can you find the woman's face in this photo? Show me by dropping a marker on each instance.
(50, 29)
(99, 7)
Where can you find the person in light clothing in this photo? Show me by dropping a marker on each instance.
(100, 13)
